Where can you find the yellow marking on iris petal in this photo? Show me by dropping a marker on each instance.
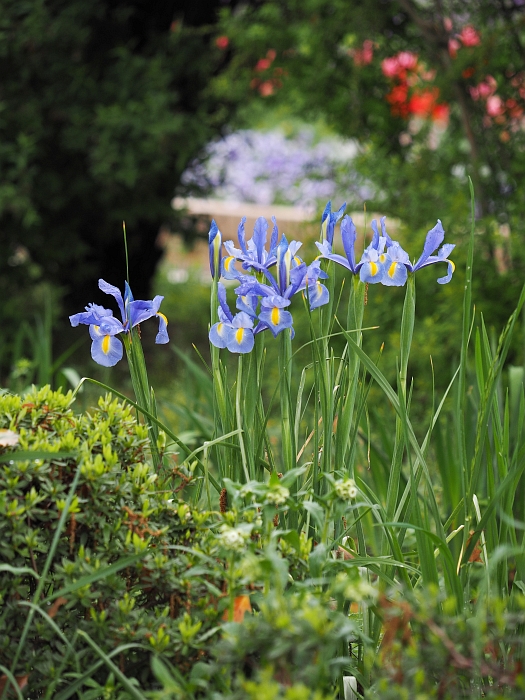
(298, 260)
(219, 328)
(319, 288)
(239, 334)
(275, 316)
(162, 317)
(106, 342)
(374, 269)
(228, 261)
(97, 328)
(382, 257)
(453, 266)
(392, 269)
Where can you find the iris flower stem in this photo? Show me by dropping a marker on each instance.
(407, 329)
(287, 431)
(354, 322)
(344, 459)
(239, 416)
(259, 422)
(461, 400)
(143, 391)
(219, 396)
(324, 380)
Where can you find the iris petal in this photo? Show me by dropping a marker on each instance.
(219, 334)
(395, 274)
(448, 276)
(140, 310)
(371, 272)
(162, 336)
(106, 350)
(277, 319)
(318, 295)
(115, 292)
(433, 240)
(240, 340)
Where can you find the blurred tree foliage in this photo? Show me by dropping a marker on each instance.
(102, 105)
(337, 59)
(434, 92)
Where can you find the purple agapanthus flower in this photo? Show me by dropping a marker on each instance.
(106, 348)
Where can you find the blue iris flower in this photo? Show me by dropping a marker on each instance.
(233, 332)
(328, 222)
(384, 260)
(292, 276)
(253, 254)
(397, 264)
(263, 297)
(106, 348)
(371, 266)
(215, 249)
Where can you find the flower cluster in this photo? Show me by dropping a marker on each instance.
(345, 489)
(468, 37)
(268, 279)
(277, 495)
(106, 348)
(268, 167)
(263, 297)
(507, 112)
(233, 538)
(384, 260)
(409, 95)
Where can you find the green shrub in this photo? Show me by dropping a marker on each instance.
(130, 567)
(429, 651)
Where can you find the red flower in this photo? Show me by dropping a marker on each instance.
(263, 64)
(423, 103)
(390, 67)
(441, 113)
(267, 88)
(469, 36)
(407, 60)
(222, 42)
(398, 94)
(495, 106)
(453, 46)
(363, 56)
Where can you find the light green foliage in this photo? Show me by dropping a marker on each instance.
(118, 572)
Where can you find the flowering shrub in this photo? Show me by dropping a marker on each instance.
(268, 168)
(412, 94)
(119, 576)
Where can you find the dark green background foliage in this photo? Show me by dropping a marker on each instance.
(164, 601)
(103, 103)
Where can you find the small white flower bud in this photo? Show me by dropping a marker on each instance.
(277, 495)
(346, 489)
